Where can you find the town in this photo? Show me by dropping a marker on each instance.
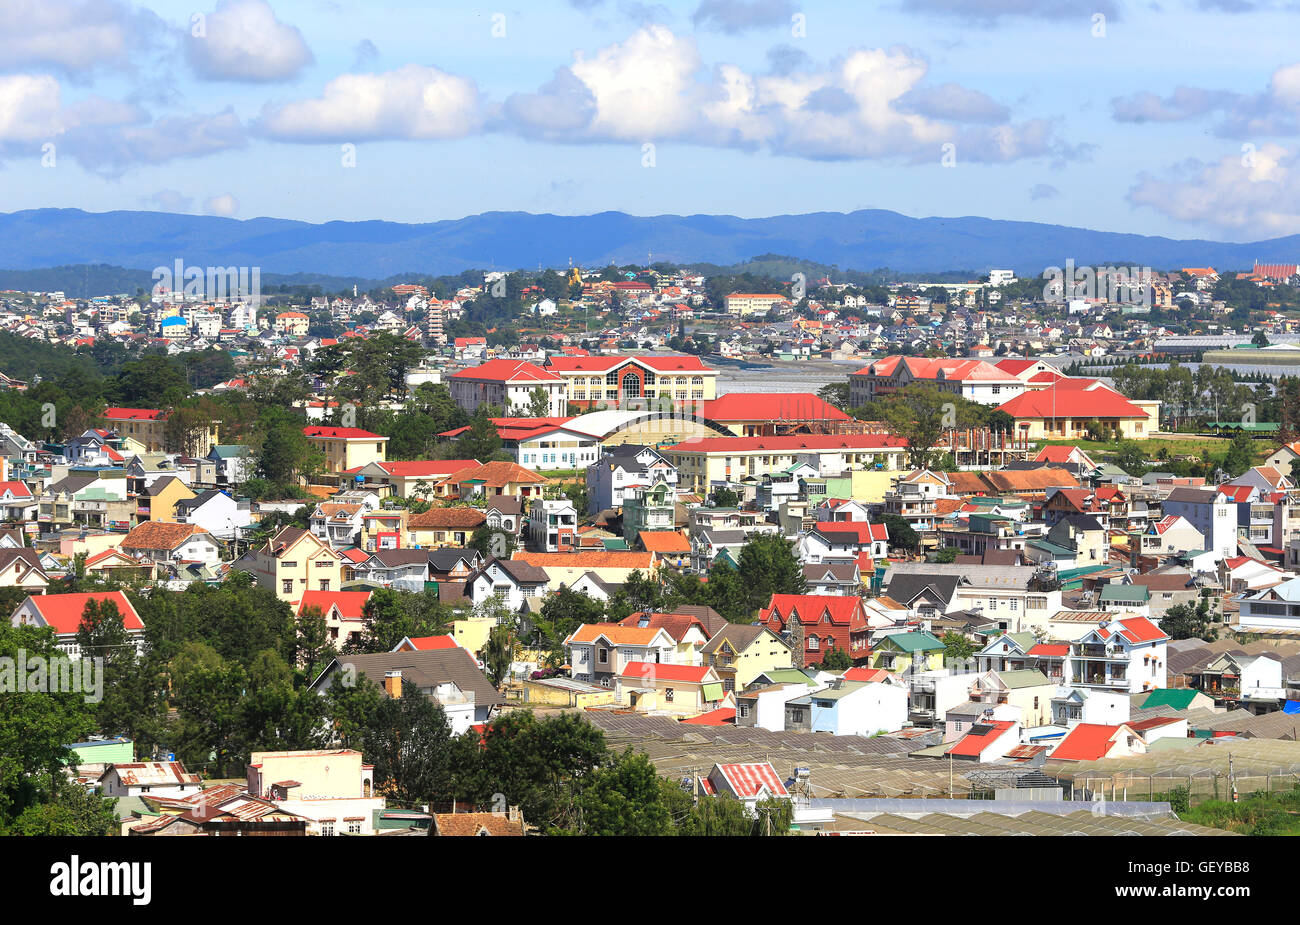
(655, 549)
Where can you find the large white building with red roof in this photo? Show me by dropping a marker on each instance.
(1067, 410)
(507, 385)
(974, 380)
(1128, 654)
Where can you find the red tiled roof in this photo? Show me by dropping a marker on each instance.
(134, 414)
(62, 612)
(723, 716)
(658, 671)
(795, 443)
(1050, 649)
(349, 603)
(1134, 629)
(598, 364)
(342, 433)
(867, 674)
(427, 643)
(1085, 742)
(1067, 402)
(507, 371)
(664, 541)
(771, 406)
(843, 609)
(750, 779)
(973, 743)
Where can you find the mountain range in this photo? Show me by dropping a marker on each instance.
(862, 240)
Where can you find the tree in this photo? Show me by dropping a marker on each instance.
(768, 565)
(901, 534)
(1183, 621)
(481, 441)
(625, 797)
(498, 654)
(1130, 458)
(946, 555)
(835, 393)
(836, 660)
(1260, 339)
(285, 456)
(539, 403)
(1240, 456)
(956, 648)
(724, 497)
(563, 612)
(919, 414)
(492, 542)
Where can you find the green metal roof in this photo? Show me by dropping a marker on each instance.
(1138, 594)
(1024, 677)
(913, 642)
(1178, 699)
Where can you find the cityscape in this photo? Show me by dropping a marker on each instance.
(640, 495)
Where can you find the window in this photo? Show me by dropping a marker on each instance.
(286, 586)
(668, 694)
(354, 826)
(327, 826)
(814, 643)
(603, 656)
(324, 584)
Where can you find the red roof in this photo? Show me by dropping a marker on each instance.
(749, 780)
(342, 433)
(62, 612)
(134, 414)
(790, 444)
(349, 603)
(771, 406)
(723, 716)
(1070, 402)
(866, 674)
(429, 643)
(1134, 629)
(18, 489)
(507, 371)
(600, 364)
(1050, 649)
(658, 671)
(1086, 742)
(843, 609)
(420, 467)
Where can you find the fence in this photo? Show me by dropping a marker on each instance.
(1200, 787)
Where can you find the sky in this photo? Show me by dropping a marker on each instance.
(1178, 118)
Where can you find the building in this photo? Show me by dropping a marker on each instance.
(152, 778)
(620, 381)
(509, 386)
(552, 525)
(333, 788)
(753, 303)
(1213, 514)
(758, 414)
(684, 690)
(1276, 608)
(845, 707)
(705, 463)
(63, 612)
(622, 469)
(1070, 408)
(815, 624)
(343, 612)
(741, 652)
(148, 427)
(171, 546)
(346, 448)
(600, 652)
(291, 563)
(974, 380)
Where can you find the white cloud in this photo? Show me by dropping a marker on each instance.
(224, 205)
(412, 102)
(243, 40)
(72, 35)
(1255, 194)
(871, 103)
(31, 108)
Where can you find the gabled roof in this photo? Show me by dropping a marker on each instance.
(659, 671)
(62, 612)
(350, 604)
(1086, 742)
(750, 779)
(842, 609)
(981, 737)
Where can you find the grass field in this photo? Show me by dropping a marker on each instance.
(1176, 445)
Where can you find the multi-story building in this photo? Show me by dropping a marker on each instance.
(623, 469)
(1212, 512)
(974, 380)
(292, 562)
(649, 509)
(333, 788)
(614, 381)
(346, 448)
(552, 525)
(508, 385)
(710, 461)
(753, 303)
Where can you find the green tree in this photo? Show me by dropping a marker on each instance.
(624, 798)
(724, 497)
(836, 660)
(901, 534)
(919, 414)
(498, 653)
(956, 648)
(539, 403)
(768, 565)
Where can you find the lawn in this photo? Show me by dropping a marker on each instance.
(1191, 445)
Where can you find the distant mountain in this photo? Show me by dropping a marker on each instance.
(863, 240)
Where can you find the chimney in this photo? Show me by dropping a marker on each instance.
(393, 683)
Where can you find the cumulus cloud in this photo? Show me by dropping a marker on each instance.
(737, 16)
(73, 36)
(31, 108)
(987, 12)
(1275, 110)
(413, 102)
(224, 205)
(1043, 191)
(870, 103)
(1255, 193)
(242, 40)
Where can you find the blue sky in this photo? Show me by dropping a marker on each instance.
(1177, 118)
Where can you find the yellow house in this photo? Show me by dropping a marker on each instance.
(346, 447)
(385, 529)
(703, 463)
(566, 692)
(1068, 410)
(148, 428)
(292, 562)
(444, 526)
(158, 501)
(901, 651)
(739, 653)
(685, 690)
(471, 633)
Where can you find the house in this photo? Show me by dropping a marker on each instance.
(343, 611)
(622, 469)
(292, 562)
(157, 497)
(63, 613)
(333, 788)
(21, 568)
(690, 627)
(405, 478)
(1170, 534)
(613, 566)
(552, 525)
(740, 652)
(508, 385)
(509, 823)
(749, 782)
(1128, 653)
(346, 448)
(216, 512)
(986, 740)
(973, 379)
(1093, 742)
(448, 676)
(155, 778)
(1029, 690)
(444, 526)
(908, 653)
(1211, 512)
(405, 569)
(1237, 679)
(844, 707)
(660, 687)
(600, 652)
(1067, 409)
(815, 624)
(833, 578)
(148, 426)
(171, 545)
(764, 704)
(492, 479)
(512, 581)
(17, 503)
(1274, 608)
(222, 811)
(616, 381)
(234, 463)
